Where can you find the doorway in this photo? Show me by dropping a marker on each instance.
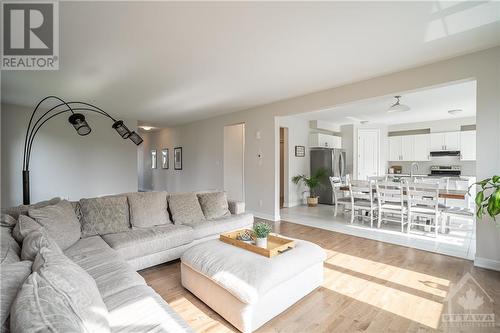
(234, 161)
(368, 153)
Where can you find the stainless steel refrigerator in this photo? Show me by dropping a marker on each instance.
(334, 161)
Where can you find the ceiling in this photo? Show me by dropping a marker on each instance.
(425, 105)
(169, 63)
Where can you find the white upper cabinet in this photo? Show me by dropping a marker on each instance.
(325, 140)
(445, 141)
(395, 148)
(468, 145)
(421, 147)
(409, 148)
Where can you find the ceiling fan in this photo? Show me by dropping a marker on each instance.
(398, 107)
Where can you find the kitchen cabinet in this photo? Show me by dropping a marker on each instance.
(409, 148)
(395, 148)
(468, 145)
(325, 140)
(445, 141)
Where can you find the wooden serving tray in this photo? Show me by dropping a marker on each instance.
(275, 244)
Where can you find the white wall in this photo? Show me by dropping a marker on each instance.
(62, 163)
(298, 135)
(262, 176)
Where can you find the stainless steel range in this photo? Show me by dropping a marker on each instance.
(445, 170)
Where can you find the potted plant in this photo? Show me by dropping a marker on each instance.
(261, 230)
(313, 182)
(488, 198)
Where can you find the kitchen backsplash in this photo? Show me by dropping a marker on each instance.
(424, 167)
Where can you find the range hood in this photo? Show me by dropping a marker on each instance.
(445, 153)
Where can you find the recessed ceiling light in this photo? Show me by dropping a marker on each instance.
(454, 112)
(146, 128)
(398, 107)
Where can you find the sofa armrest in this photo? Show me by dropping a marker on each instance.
(236, 207)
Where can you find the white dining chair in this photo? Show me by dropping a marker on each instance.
(362, 200)
(423, 206)
(338, 196)
(390, 200)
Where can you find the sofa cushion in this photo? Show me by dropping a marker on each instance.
(35, 241)
(109, 270)
(7, 221)
(59, 221)
(225, 224)
(142, 309)
(141, 242)
(12, 277)
(185, 208)
(214, 205)
(49, 300)
(17, 211)
(10, 250)
(24, 226)
(101, 216)
(148, 209)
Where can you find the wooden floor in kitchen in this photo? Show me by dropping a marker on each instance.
(369, 286)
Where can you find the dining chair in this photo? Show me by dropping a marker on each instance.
(464, 212)
(390, 199)
(362, 200)
(336, 183)
(423, 203)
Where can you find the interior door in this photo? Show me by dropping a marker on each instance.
(368, 153)
(234, 161)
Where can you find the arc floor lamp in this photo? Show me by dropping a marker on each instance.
(76, 119)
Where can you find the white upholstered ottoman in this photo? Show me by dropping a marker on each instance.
(248, 289)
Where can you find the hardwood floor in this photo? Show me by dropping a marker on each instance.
(369, 286)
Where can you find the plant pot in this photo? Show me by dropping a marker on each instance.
(261, 242)
(312, 201)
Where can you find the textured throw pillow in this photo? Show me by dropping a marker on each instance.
(60, 222)
(15, 212)
(185, 208)
(59, 296)
(106, 215)
(148, 209)
(10, 250)
(214, 205)
(12, 277)
(35, 241)
(7, 221)
(23, 227)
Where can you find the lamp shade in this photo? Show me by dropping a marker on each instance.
(135, 138)
(120, 127)
(80, 124)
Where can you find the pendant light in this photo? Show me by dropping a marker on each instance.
(398, 107)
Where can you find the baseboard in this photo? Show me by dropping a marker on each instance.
(264, 216)
(293, 204)
(487, 263)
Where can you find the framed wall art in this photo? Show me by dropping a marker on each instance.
(178, 158)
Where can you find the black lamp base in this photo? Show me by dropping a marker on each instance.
(26, 187)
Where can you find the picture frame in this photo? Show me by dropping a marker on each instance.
(153, 158)
(300, 151)
(178, 158)
(164, 158)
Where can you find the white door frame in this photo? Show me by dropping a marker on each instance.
(367, 130)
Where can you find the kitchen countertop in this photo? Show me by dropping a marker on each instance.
(461, 177)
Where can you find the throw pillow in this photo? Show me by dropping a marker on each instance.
(12, 277)
(34, 242)
(214, 205)
(148, 209)
(7, 221)
(60, 221)
(59, 296)
(17, 211)
(185, 208)
(23, 227)
(10, 249)
(106, 215)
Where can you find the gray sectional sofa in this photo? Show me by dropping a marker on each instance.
(109, 238)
